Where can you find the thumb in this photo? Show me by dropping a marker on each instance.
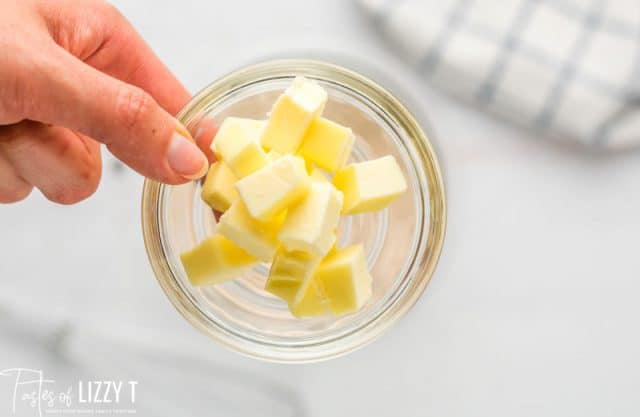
(126, 118)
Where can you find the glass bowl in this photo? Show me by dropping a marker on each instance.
(402, 243)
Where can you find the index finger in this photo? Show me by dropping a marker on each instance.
(114, 47)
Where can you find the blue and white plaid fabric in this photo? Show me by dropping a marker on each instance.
(569, 69)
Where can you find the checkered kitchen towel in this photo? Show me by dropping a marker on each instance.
(566, 68)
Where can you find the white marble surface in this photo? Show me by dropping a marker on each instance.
(532, 311)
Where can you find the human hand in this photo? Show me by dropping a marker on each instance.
(75, 74)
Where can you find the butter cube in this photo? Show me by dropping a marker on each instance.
(316, 174)
(311, 300)
(288, 271)
(370, 185)
(345, 279)
(218, 190)
(327, 144)
(270, 190)
(273, 155)
(334, 247)
(310, 166)
(215, 260)
(259, 239)
(237, 143)
(310, 224)
(291, 115)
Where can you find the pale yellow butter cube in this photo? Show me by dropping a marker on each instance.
(316, 174)
(219, 190)
(310, 166)
(291, 115)
(237, 143)
(288, 271)
(215, 260)
(270, 190)
(311, 300)
(310, 224)
(345, 279)
(257, 238)
(273, 155)
(370, 185)
(334, 246)
(327, 144)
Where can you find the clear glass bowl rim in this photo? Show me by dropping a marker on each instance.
(437, 202)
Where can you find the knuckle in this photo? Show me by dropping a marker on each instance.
(84, 186)
(133, 104)
(15, 192)
(106, 10)
(90, 182)
(67, 196)
(61, 196)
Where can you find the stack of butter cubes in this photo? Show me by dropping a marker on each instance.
(281, 185)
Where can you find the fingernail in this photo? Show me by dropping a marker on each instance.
(185, 158)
